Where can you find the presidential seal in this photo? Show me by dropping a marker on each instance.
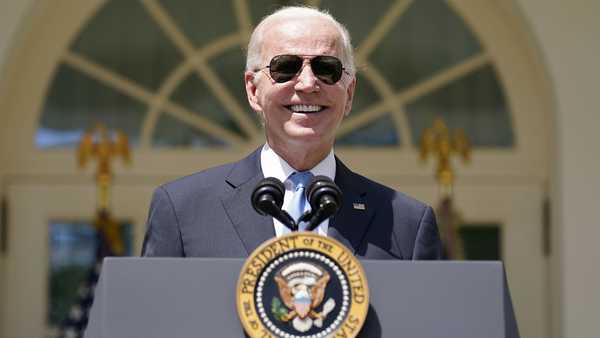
(302, 285)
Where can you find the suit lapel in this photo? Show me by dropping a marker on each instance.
(350, 224)
(252, 228)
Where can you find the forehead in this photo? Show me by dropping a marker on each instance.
(306, 36)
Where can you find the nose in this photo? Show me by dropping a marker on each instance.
(306, 81)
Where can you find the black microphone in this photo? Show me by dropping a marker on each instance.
(267, 199)
(325, 199)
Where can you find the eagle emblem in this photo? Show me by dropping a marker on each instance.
(302, 288)
(298, 285)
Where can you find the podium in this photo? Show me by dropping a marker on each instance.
(195, 297)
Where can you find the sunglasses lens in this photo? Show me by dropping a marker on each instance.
(284, 67)
(327, 68)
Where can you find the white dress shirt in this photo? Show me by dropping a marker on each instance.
(274, 166)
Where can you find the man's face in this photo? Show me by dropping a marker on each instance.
(289, 108)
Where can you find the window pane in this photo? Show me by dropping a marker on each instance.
(77, 102)
(360, 18)
(261, 8)
(380, 132)
(364, 95)
(202, 21)
(72, 256)
(194, 94)
(124, 38)
(474, 103)
(427, 39)
(230, 67)
(170, 132)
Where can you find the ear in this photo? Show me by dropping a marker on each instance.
(350, 96)
(251, 90)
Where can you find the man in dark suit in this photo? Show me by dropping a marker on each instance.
(300, 79)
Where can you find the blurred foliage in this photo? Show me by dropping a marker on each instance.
(63, 289)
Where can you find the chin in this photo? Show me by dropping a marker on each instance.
(303, 133)
(308, 139)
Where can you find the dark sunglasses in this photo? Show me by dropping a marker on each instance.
(326, 68)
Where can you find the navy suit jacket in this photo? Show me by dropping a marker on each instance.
(209, 214)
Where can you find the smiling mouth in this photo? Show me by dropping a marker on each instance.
(305, 108)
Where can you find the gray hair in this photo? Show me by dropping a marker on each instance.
(254, 58)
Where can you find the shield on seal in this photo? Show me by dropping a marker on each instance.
(302, 303)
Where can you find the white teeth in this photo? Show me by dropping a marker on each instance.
(309, 108)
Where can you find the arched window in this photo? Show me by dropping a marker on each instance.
(169, 73)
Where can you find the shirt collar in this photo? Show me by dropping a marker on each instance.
(273, 165)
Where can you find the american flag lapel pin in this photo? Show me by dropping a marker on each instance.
(359, 206)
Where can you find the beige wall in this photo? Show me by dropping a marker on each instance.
(567, 33)
(12, 14)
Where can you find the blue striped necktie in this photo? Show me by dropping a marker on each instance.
(298, 204)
